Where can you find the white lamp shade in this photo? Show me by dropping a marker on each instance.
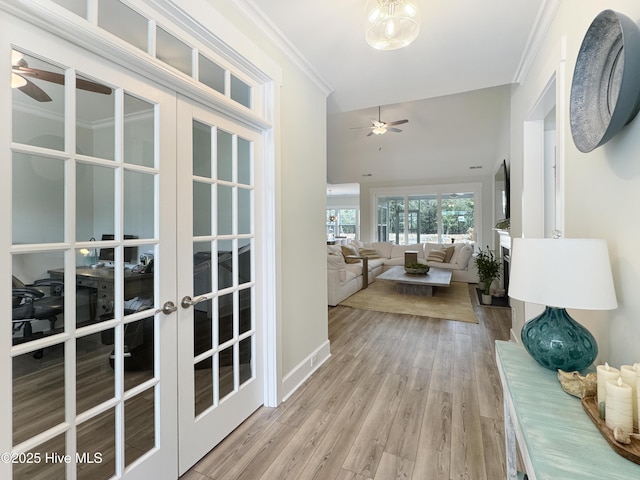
(563, 273)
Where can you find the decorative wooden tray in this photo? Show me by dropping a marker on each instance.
(631, 451)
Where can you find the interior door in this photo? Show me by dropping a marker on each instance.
(91, 365)
(219, 334)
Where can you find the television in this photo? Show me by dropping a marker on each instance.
(501, 192)
(108, 254)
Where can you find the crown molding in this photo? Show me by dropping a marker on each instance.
(538, 33)
(254, 14)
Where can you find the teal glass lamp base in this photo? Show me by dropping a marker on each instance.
(555, 340)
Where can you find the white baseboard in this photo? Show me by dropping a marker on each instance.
(296, 377)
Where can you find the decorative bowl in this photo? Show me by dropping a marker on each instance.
(417, 269)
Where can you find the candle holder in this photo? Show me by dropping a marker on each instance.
(630, 451)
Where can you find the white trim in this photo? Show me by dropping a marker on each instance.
(538, 33)
(256, 15)
(271, 328)
(296, 377)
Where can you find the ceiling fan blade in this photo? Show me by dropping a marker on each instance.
(398, 122)
(90, 86)
(369, 134)
(39, 74)
(393, 130)
(35, 92)
(59, 79)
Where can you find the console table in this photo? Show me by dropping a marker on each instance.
(557, 439)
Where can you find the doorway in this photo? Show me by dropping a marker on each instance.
(104, 241)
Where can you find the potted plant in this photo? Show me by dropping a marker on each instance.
(488, 270)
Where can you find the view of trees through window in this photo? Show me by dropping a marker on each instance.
(443, 217)
(341, 222)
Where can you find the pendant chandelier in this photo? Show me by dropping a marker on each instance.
(391, 24)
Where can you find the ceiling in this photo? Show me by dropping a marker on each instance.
(464, 46)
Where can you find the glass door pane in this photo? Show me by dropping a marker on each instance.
(391, 220)
(423, 219)
(458, 217)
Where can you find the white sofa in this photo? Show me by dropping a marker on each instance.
(344, 278)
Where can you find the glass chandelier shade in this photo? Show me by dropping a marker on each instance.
(391, 24)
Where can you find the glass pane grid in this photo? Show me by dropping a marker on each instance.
(83, 339)
(429, 217)
(131, 26)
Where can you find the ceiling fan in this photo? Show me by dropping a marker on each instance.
(20, 70)
(378, 127)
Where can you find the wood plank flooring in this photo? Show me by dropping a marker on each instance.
(402, 397)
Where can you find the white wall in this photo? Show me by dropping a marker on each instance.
(601, 187)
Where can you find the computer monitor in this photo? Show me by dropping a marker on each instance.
(108, 254)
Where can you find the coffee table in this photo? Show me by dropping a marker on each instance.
(417, 284)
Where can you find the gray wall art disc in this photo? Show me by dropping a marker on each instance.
(605, 91)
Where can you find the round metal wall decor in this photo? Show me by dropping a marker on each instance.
(605, 91)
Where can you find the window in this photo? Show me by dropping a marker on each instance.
(342, 222)
(438, 214)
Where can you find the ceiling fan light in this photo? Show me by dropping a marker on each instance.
(391, 24)
(17, 81)
(379, 130)
(16, 56)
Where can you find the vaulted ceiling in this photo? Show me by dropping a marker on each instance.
(465, 48)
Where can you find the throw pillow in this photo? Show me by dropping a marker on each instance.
(348, 250)
(449, 253)
(436, 255)
(464, 256)
(335, 262)
(369, 252)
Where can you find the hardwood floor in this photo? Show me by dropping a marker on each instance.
(402, 397)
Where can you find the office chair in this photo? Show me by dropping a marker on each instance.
(30, 303)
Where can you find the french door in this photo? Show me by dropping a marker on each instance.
(219, 354)
(131, 238)
(89, 355)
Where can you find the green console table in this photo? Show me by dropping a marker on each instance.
(557, 439)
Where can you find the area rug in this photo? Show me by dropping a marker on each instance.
(452, 303)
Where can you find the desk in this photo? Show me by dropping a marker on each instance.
(101, 280)
(557, 439)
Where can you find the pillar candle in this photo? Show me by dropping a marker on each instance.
(618, 405)
(630, 377)
(604, 373)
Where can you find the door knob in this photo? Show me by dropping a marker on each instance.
(167, 308)
(189, 302)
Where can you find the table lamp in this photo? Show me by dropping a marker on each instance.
(561, 273)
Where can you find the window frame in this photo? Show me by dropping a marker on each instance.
(337, 224)
(407, 192)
